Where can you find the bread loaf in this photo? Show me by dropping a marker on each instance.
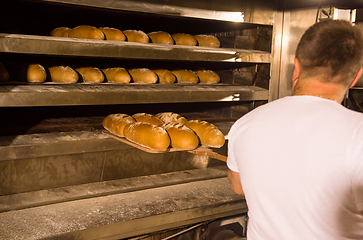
(147, 135)
(87, 32)
(117, 75)
(4, 73)
(184, 39)
(143, 75)
(161, 37)
(171, 117)
(165, 76)
(91, 74)
(181, 136)
(60, 32)
(115, 123)
(208, 76)
(113, 34)
(34, 73)
(207, 41)
(148, 118)
(63, 74)
(185, 76)
(209, 135)
(136, 36)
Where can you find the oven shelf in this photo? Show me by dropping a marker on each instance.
(105, 94)
(57, 46)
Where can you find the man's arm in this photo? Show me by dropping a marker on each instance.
(235, 181)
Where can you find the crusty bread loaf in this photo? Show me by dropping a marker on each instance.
(63, 74)
(60, 32)
(209, 135)
(185, 76)
(136, 36)
(87, 32)
(207, 41)
(181, 136)
(113, 34)
(117, 75)
(171, 117)
(91, 74)
(184, 39)
(165, 76)
(34, 73)
(148, 118)
(143, 75)
(208, 76)
(4, 73)
(147, 135)
(161, 37)
(115, 123)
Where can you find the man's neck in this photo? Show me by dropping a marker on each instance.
(330, 91)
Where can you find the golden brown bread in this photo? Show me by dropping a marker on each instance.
(117, 75)
(209, 135)
(184, 39)
(147, 135)
(208, 76)
(171, 117)
(136, 36)
(181, 136)
(33, 72)
(185, 76)
(161, 37)
(207, 41)
(87, 32)
(91, 74)
(115, 123)
(113, 34)
(143, 75)
(60, 32)
(148, 118)
(63, 74)
(165, 76)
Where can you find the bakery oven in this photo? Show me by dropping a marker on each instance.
(64, 177)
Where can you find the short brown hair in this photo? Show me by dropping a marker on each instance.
(332, 49)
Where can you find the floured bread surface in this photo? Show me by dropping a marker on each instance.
(143, 75)
(136, 36)
(186, 76)
(161, 37)
(208, 76)
(165, 76)
(117, 75)
(35, 73)
(167, 117)
(116, 123)
(86, 32)
(113, 34)
(63, 74)
(207, 41)
(147, 135)
(60, 32)
(148, 118)
(181, 136)
(91, 74)
(184, 39)
(209, 135)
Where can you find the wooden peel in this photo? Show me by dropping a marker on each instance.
(202, 151)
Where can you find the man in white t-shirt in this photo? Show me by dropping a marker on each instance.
(299, 160)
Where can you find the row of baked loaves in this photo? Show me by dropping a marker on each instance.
(65, 74)
(161, 37)
(164, 130)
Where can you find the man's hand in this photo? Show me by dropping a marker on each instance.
(235, 181)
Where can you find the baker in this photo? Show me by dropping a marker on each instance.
(299, 160)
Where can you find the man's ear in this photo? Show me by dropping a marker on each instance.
(296, 73)
(355, 80)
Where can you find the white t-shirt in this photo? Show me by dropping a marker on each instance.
(300, 159)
